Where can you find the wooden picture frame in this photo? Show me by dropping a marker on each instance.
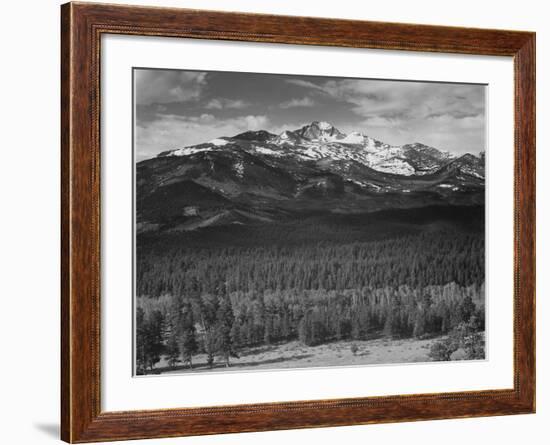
(82, 25)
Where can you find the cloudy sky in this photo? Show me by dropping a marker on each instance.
(179, 108)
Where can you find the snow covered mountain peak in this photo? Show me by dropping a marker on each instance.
(427, 150)
(285, 135)
(288, 137)
(324, 125)
(320, 131)
(321, 142)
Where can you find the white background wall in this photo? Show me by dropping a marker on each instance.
(29, 224)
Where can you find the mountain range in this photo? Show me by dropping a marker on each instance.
(258, 177)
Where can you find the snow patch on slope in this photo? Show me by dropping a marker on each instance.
(353, 138)
(187, 151)
(218, 142)
(239, 169)
(395, 167)
(267, 151)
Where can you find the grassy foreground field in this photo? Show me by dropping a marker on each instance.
(296, 355)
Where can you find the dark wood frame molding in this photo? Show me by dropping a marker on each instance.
(82, 25)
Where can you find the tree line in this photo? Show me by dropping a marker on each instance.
(220, 324)
(171, 329)
(431, 258)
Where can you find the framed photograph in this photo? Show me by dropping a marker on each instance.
(275, 222)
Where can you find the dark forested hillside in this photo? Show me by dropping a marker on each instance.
(415, 260)
(316, 279)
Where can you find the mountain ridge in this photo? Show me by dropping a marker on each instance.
(259, 177)
(320, 140)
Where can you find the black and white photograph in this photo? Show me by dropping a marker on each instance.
(290, 221)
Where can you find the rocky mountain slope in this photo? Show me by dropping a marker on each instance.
(258, 177)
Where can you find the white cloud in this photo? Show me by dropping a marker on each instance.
(252, 122)
(466, 122)
(446, 116)
(380, 121)
(220, 104)
(164, 86)
(278, 129)
(395, 100)
(305, 84)
(172, 131)
(303, 102)
(458, 135)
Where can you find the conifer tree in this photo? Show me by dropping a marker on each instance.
(305, 329)
(208, 312)
(172, 350)
(392, 325)
(149, 339)
(224, 324)
(188, 335)
(141, 338)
